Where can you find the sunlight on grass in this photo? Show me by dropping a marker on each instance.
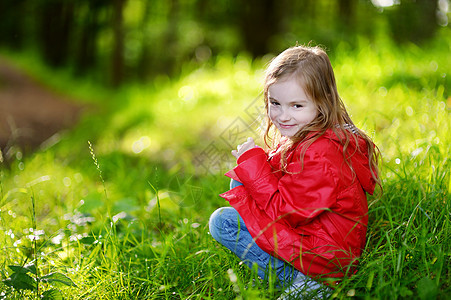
(177, 136)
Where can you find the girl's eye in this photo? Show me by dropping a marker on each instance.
(297, 105)
(274, 103)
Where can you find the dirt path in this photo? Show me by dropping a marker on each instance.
(30, 114)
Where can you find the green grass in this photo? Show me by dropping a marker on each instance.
(128, 220)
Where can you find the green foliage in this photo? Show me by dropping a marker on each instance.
(140, 229)
(19, 280)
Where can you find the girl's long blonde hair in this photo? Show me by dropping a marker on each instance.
(312, 67)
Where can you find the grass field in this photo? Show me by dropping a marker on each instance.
(118, 207)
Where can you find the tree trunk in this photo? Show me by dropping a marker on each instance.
(258, 23)
(12, 14)
(117, 63)
(85, 58)
(346, 12)
(414, 21)
(143, 65)
(55, 31)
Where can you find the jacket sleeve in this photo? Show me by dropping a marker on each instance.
(299, 196)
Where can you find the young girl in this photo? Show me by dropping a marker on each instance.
(300, 209)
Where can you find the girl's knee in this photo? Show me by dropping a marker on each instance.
(222, 213)
(217, 216)
(217, 219)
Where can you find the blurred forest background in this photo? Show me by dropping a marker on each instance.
(118, 41)
(152, 96)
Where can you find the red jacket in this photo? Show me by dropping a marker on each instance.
(315, 214)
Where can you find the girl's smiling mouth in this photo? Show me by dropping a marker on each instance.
(286, 126)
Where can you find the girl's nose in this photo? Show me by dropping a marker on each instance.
(284, 115)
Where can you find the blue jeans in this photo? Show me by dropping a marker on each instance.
(234, 183)
(228, 228)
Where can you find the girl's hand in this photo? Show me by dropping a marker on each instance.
(249, 144)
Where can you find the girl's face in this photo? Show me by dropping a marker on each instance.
(289, 106)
